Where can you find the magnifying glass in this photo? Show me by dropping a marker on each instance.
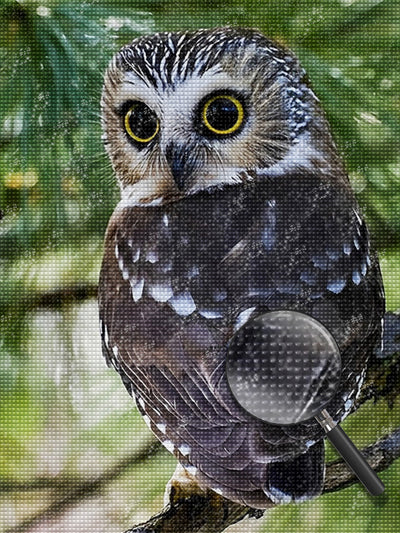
(284, 367)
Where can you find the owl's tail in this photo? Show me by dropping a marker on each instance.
(298, 479)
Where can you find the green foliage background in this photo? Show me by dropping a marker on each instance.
(64, 419)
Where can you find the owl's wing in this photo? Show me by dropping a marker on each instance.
(177, 280)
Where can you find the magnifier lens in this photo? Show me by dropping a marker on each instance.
(283, 367)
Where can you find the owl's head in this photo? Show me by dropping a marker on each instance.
(189, 111)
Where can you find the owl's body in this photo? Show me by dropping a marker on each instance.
(216, 226)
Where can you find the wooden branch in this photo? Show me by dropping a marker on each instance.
(57, 297)
(383, 373)
(199, 514)
(211, 513)
(207, 513)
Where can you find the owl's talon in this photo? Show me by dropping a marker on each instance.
(182, 486)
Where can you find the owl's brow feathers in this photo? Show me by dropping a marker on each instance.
(167, 59)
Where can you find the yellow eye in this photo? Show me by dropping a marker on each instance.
(223, 114)
(141, 123)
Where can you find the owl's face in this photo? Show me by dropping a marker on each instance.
(184, 112)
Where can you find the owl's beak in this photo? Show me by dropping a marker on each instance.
(182, 164)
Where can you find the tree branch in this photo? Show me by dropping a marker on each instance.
(212, 514)
(57, 297)
(207, 513)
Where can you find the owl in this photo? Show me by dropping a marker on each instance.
(234, 202)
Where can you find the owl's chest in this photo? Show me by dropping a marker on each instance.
(203, 249)
(243, 246)
(178, 279)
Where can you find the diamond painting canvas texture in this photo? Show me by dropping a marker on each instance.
(170, 174)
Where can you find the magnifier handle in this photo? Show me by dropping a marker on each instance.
(353, 458)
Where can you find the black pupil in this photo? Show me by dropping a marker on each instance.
(143, 121)
(222, 114)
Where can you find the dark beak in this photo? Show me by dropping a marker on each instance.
(182, 163)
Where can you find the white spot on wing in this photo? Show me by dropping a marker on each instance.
(184, 449)
(147, 420)
(169, 445)
(165, 220)
(356, 277)
(360, 381)
(190, 469)
(336, 286)
(161, 427)
(136, 255)
(152, 256)
(207, 313)
(106, 336)
(347, 249)
(320, 261)
(115, 350)
(348, 405)
(161, 293)
(121, 266)
(309, 277)
(243, 317)
(182, 303)
(137, 290)
(364, 268)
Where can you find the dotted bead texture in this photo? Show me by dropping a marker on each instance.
(283, 367)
